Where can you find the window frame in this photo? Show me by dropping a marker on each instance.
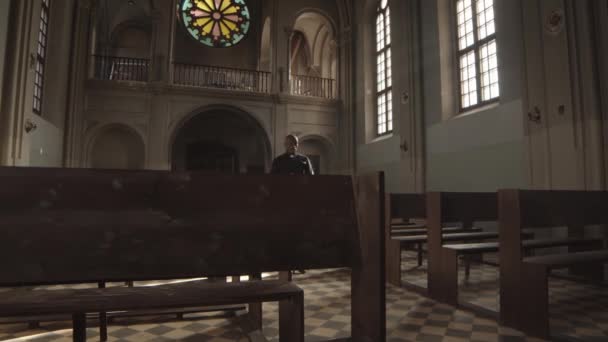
(45, 8)
(389, 89)
(475, 48)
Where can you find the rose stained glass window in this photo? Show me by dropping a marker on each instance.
(215, 23)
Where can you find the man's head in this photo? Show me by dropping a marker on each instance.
(291, 144)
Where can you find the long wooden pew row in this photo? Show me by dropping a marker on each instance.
(524, 293)
(67, 226)
(451, 207)
(398, 237)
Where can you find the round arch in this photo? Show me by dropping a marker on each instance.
(321, 150)
(224, 119)
(116, 146)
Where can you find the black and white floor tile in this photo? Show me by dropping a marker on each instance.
(579, 311)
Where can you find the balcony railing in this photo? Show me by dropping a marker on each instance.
(312, 86)
(113, 68)
(222, 78)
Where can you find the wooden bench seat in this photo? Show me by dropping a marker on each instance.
(451, 255)
(191, 294)
(555, 261)
(449, 237)
(408, 226)
(423, 231)
(490, 247)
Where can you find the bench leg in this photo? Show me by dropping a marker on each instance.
(291, 319)
(79, 327)
(449, 269)
(255, 309)
(285, 276)
(533, 310)
(420, 254)
(103, 318)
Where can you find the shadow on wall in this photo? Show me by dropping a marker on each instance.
(221, 141)
(118, 147)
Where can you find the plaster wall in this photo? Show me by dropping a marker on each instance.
(482, 150)
(159, 117)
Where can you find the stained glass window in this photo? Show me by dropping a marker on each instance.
(215, 23)
(384, 76)
(478, 60)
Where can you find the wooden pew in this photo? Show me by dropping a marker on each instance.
(524, 293)
(404, 207)
(398, 237)
(69, 226)
(452, 207)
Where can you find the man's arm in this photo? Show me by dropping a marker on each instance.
(311, 171)
(275, 167)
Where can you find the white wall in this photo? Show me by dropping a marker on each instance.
(403, 168)
(485, 150)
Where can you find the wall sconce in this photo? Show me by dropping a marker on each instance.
(30, 126)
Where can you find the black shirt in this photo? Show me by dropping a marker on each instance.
(292, 164)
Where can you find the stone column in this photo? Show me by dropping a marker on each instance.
(16, 95)
(164, 28)
(76, 120)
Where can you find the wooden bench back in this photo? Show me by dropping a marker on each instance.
(407, 206)
(540, 209)
(519, 209)
(72, 226)
(446, 207)
(534, 209)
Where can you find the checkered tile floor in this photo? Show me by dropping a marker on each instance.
(410, 317)
(578, 311)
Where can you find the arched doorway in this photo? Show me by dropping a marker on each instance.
(221, 140)
(319, 153)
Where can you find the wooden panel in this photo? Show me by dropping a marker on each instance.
(534, 320)
(562, 208)
(510, 256)
(435, 274)
(35, 254)
(408, 206)
(368, 287)
(40, 190)
(220, 226)
(260, 199)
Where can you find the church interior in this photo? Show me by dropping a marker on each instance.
(455, 183)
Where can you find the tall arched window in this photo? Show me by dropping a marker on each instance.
(478, 61)
(43, 32)
(384, 77)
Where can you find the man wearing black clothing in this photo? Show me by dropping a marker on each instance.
(291, 162)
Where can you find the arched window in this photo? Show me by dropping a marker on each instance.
(43, 32)
(384, 77)
(477, 58)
